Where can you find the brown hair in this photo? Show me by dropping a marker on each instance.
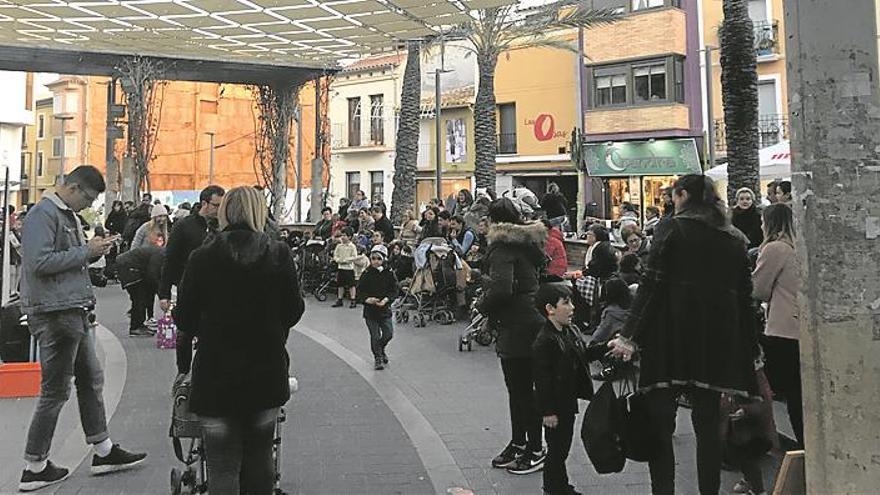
(243, 206)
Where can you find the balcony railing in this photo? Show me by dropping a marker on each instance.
(766, 38)
(370, 135)
(507, 143)
(771, 130)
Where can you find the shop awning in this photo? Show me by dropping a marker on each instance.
(775, 163)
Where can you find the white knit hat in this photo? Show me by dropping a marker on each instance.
(158, 211)
(380, 249)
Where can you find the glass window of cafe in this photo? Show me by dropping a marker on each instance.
(641, 193)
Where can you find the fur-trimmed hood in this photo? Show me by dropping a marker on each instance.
(531, 234)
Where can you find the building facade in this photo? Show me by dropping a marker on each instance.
(363, 109)
(16, 112)
(643, 102)
(769, 25)
(40, 155)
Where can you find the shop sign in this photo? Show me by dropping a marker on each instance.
(544, 127)
(634, 158)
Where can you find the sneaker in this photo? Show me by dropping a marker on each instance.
(337, 304)
(384, 358)
(508, 456)
(530, 462)
(31, 481)
(141, 332)
(151, 323)
(742, 486)
(353, 304)
(117, 460)
(379, 364)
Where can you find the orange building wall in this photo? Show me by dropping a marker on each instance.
(189, 111)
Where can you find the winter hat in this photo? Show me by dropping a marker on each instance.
(158, 211)
(380, 249)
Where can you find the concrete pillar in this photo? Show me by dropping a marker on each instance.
(833, 91)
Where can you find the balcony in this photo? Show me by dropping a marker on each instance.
(345, 139)
(766, 40)
(771, 130)
(507, 143)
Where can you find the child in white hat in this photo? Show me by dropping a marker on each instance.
(376, 290)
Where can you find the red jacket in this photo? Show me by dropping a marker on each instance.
(555, 250)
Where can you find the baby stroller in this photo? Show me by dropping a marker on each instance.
(316, 268)
(479, 329)
(185, 427)
(431, 296)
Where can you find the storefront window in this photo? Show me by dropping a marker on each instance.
(640, 193)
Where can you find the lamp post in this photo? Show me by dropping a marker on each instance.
(438, 128)
(710, 109)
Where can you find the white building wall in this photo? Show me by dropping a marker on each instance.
(13, 117)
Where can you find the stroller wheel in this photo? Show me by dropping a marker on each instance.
(470, 345)
(442, 318)
(405, 316)
(483, 337)
(176, 482)
(320, 296)
(460, 345)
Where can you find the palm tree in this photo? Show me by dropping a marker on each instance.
(739, 92)
(407, 144)
(494, 30)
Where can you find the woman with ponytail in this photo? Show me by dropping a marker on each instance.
(692, 327)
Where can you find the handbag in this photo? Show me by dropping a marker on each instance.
(640, 438)
(601, 431)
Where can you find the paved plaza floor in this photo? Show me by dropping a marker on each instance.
(430, 423)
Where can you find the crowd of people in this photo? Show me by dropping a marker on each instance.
(679, 292)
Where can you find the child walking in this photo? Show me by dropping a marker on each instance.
(561, 377)
(344, 255)
(377, 289)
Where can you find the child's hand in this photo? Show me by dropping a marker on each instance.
(551, 421)
(371, 300)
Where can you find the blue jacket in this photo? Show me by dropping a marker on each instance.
(55, 259)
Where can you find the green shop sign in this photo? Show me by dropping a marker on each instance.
(634, 158)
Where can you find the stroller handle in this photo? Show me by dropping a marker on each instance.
(293, 383)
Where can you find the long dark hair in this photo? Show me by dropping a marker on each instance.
(778, 223)
(502, 210)
(703, 199)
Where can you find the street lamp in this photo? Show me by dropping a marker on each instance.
(64, 117)
(211, 160)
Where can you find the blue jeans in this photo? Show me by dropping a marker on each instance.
(238, 450)
(67, 350)
(381, 332)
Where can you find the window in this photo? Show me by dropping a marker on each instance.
(70, 146)
(646, 4)
(71, 102)
(649, 82)
(56, 146)
(507, 128)
(354, 121)
(352, 183)
(24, 166)
(377, 186)
(39, 164)
(56, 104)
(758, 10)
(618, 6)
(610, 90)
(638, 83)
(41, 126)
(377, 128)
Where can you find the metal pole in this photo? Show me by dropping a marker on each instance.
(438, 152)
(299, 161)
(113, 174)
(6, 270)
(710, 111)
(584, 183)
(318, 163)
(211, 160)
(63, 146)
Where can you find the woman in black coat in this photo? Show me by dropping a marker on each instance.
(116, 219)
(692, 321)
(746, 217)
(240, 297)
(511, 272)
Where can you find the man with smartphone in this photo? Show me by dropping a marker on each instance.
(57, 295)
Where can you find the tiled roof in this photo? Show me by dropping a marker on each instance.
(376, 62)
(454, 98)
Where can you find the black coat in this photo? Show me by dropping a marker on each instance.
(136, 218)
(559, 372)
(374, 283)
(239, 297)
(692, 316)
(385, 226)
(323, 229)
(139, 264)
(115, 223)
(511, 274)
(188, 234)
(749, 222)
(603, 264)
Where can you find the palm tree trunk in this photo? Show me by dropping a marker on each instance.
(484, 121)
(739, 90)
(407, 144)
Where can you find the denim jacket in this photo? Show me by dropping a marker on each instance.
(55, 259)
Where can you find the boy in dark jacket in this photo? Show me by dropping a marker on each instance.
(139, 271)
(376, 290)
(561, 378)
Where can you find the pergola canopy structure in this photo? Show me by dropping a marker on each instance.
(216, 40)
